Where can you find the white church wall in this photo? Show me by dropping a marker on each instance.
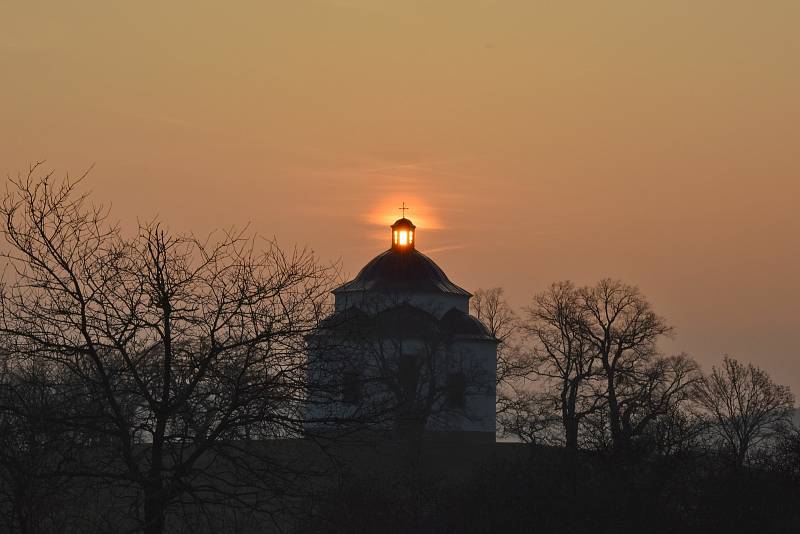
(378, 361)
(477, 359)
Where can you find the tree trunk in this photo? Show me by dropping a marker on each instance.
(740, 453)
(154, 516)
(613, 414)
(571, 433)
(154, 505)
(569, 400)
(569, 420)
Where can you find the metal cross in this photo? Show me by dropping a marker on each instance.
(404, 208)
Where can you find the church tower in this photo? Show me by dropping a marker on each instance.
(401, 354)
(403, 235)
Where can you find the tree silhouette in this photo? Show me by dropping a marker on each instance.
(622, 330)
(179, 346)
(744, 405)
(515, 402)
(556, 325)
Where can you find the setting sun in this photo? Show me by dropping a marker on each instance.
(386, 212)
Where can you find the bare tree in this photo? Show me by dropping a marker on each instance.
(531, 416)
(35, 448)
(654, 403)
(563, 356)
(592, 355)
(518, 409)
(181, 346)
(489, 306)
(784, 455)
(744, 405)
(621, 330)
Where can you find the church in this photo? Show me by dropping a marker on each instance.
(401, 355)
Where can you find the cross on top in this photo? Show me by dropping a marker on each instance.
(403, 208)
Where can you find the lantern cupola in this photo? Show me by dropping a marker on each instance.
(403, 236)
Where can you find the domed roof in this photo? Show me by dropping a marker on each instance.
(403, 222)
(402, 271)
(348, 318)
(457, 323)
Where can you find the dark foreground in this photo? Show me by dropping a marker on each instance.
(439, 487)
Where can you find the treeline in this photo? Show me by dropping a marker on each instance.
(136, 368)
(580, 367)
(607, 434)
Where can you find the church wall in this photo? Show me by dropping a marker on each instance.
(477, 359)
(329, 364)
(374, 361)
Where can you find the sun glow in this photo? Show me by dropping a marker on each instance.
(385, 213)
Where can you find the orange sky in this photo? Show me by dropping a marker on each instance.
(656, 142)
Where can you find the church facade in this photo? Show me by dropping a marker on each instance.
(401, 355)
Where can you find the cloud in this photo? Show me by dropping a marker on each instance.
(446, 247)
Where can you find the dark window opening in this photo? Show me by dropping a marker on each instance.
(456, 390)
(407, 376)
(351, 387)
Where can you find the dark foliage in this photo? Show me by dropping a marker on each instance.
(529, 488)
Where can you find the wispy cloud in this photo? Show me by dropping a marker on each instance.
(446, 247)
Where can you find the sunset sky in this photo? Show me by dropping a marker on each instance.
(656, 142)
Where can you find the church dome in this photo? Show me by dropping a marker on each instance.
(402, 271)
(403, 222)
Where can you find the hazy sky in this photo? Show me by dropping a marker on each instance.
(655, 142)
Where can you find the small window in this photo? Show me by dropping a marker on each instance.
(407, 376)
(456, 390)
(351, 387)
